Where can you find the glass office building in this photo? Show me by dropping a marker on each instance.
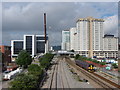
(33, 44)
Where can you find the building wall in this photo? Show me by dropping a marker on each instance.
(83, 30)
(65, 40)
(82, 35)
(97, 35)
(73, 39)
(110, 43)
(6, 54)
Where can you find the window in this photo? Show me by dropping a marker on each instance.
(40, 47)
(29, 44)
(41, 38)
(18, 46)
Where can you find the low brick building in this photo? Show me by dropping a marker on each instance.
(6, 54)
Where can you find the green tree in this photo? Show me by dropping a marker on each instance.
(24, 59)
(34, 69)
(72, 50)
(115, 65)
(77, 56)
(45, 60)
(24, 82)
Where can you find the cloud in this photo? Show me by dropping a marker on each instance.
(111, 25)
(23, 18)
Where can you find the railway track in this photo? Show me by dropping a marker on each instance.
(62, 82)
(53, 81)
(59, 78)
(103, 82)
(63, 69)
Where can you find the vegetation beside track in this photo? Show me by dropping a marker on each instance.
(34, 76)
(78, 57)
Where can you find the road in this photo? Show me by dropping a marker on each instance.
(5, 84)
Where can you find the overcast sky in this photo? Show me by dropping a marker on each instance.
(27, 18)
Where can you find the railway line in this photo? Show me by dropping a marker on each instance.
(65, 76)
(59, 78)
(103, 82)
(53, 81)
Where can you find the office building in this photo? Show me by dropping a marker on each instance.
(33, 44)
(65, 40)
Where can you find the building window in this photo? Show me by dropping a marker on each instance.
(40, 47)
(41, 38)
(29, 44)
(18, 46)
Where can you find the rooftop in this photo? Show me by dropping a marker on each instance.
(90, 18)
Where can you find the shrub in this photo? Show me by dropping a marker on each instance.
(24, 82)
(45, 60)
(34, 69)
(77, 56)
(115, 65)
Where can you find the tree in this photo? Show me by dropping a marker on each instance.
(24, 82)
(24, 59)
(34, 69)
(45, 60)
(77, 56)
(115, 65)
(72, 50)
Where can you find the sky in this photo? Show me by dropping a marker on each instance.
(27, 18)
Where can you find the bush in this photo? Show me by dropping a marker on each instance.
(88, 59)
(102, 63)
(77, 56)
(45, 60)
(115, 65)
(35, 70)
(24, 82)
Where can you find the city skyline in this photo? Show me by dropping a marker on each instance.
(88, 39)
(27, 18)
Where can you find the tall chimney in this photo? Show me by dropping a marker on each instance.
(45, 27)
